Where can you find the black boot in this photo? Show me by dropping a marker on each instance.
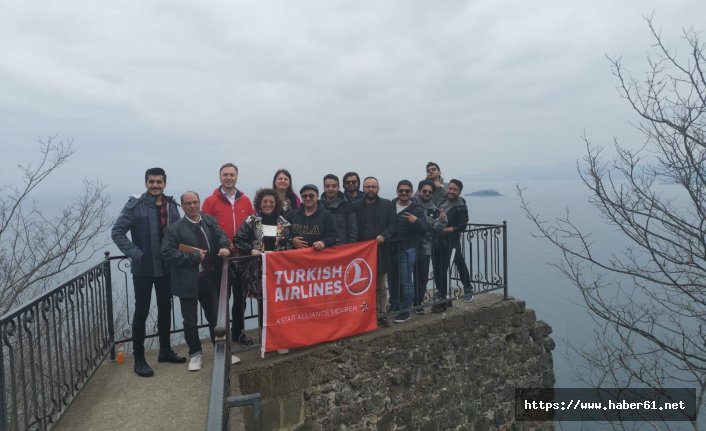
(170, 356)
(141, 367)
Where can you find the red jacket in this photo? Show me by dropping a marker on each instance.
(230, 217)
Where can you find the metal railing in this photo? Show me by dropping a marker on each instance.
(475, 262)
(482, 267)
(51, 347)
(220, 401)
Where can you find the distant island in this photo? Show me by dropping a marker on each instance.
(486, 192)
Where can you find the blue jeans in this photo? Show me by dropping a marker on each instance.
(401, 279)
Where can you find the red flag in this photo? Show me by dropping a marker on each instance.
(313, 296)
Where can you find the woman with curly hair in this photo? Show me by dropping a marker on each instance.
(267, 230)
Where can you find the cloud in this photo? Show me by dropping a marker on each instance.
(319, 86)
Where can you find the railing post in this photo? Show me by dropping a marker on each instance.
(505, 258)
(3, 388)
(109, 304)
(218, 416)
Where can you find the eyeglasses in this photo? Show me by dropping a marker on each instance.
(351, 182)
(426, 192)
(309, 196)
(404, 191)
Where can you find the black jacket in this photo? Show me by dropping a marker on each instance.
(346, 222)
(457, 214)
(184, 267)
(379, 210)
(381, 216)
(319, 226)
(401, 228)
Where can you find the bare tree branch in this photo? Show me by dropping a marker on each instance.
(649, 298)
(36, 247)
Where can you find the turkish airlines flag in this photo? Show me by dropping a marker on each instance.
(310, 296)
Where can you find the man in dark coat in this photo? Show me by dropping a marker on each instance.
(146, 217)
(342, 210)
(454, 209)
(408, 227)
(373, 216)
(193, 248)
(351, 182)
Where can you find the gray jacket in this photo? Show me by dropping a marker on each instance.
(432, 213)
(184, 266)
(141, 217)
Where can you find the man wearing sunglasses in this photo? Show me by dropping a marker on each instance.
(351, 184)
(312, 225)
(434, 175)
(437, 220)
(407, 227)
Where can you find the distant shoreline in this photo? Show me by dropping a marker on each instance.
(484, 193)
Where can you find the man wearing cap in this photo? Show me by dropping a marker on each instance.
(312, 226)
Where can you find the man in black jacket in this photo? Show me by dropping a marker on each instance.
(342, 210)
(193, 248)
(351, 182)
(408, 226)
(312, 226)
(454, 209)
(146, 217)
(373, 216)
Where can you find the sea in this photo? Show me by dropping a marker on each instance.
(534, 277)
(532, 273)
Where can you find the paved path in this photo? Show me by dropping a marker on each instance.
(117, 399)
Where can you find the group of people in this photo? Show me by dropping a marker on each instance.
(183, 256)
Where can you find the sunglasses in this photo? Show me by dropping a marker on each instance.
(426, 192)
(309, 196)
(404, 191)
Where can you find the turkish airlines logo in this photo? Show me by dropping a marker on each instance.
(358, 277)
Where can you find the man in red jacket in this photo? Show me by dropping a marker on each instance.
(231, 207)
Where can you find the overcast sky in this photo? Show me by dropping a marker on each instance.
(380, 87)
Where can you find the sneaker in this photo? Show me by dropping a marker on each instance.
(383, 322)
(402, 317)
(244, 340)
(419, 310)
(234, 359)
(141, 367)
(170, 356)
(195, 362)
(468, 297)
(282, 351)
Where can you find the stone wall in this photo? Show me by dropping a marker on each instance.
(455, 370)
